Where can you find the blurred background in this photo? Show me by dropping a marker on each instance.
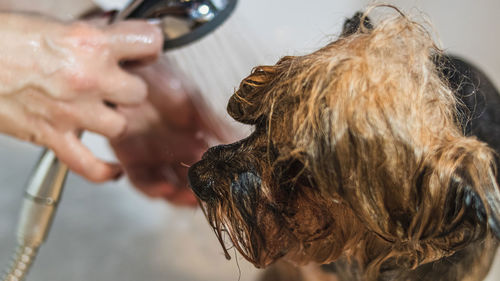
(111, 231)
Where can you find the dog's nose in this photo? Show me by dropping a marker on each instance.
(200, 182)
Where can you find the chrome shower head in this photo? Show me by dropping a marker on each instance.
(182, 21)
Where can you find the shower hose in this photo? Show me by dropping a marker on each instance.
(37, 212)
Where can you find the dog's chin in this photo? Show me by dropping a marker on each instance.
(265, 236)
(258, 240)
(230, 194)
(262, 219)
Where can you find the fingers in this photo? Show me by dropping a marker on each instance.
(134, 40)
(129, 41)
(155, 183)
(101, 119)
(179, 196)
(120, 87)
(183, 197)
(79, 159)
(97, 53)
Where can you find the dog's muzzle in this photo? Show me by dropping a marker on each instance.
(222, 170)
(201, 175)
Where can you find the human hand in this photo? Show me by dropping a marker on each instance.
(166, 134)
(56, 79)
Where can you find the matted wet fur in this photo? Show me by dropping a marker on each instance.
(374, 156)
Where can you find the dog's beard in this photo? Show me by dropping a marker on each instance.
(237, 213)
(278, 214)
(250, 238)
(229, 189)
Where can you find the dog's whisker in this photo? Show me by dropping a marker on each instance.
(237, 263)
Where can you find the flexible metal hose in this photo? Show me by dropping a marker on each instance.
(22, 261)
(37, 212)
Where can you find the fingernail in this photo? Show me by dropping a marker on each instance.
(155, 21)
(118, 172)
(118, 176)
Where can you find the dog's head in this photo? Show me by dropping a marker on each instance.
(356, 151)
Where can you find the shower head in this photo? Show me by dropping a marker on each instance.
(182, 21)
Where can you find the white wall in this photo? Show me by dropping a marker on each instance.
(468, 28)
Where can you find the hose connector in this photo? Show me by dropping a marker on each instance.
(40, 200)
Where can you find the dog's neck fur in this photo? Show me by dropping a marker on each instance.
(468, 264)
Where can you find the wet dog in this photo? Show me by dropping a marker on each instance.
(373, 157)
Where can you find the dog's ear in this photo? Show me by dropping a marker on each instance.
(448, 200)
(481, 194)
(464, 170)
(255, 94)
